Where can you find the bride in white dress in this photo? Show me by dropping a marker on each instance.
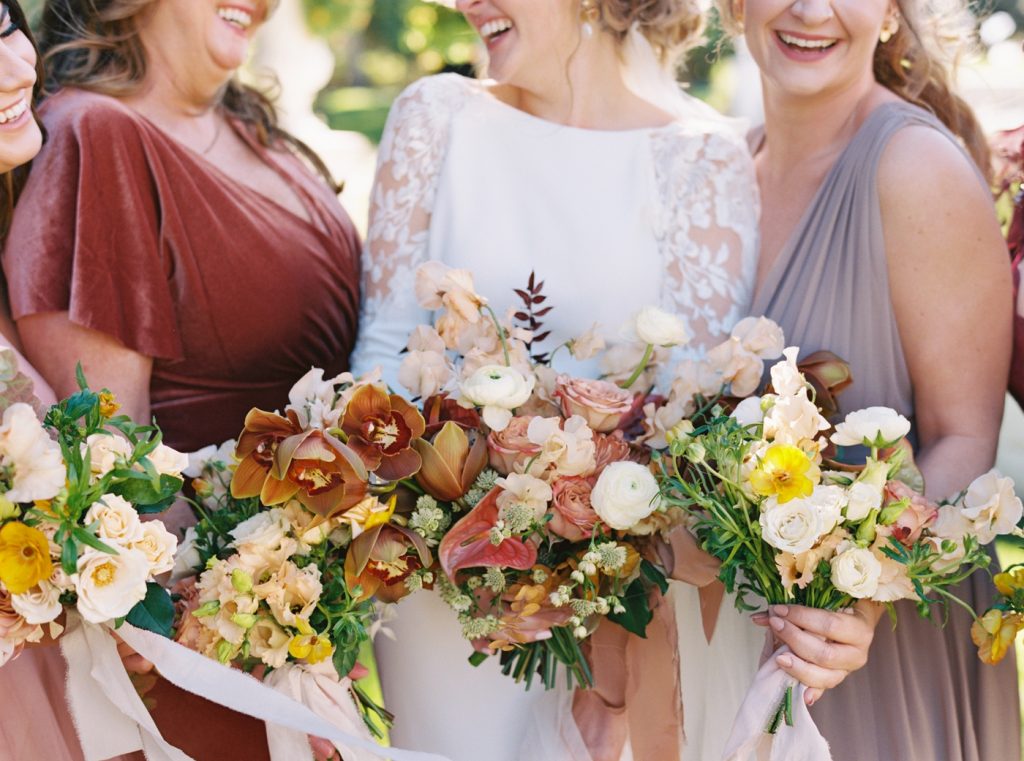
(583, 161)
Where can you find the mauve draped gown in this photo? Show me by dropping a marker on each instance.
(233, 296)
(924, 694)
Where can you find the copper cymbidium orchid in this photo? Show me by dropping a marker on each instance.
(381, 428)
(450, 463)
(382, 558)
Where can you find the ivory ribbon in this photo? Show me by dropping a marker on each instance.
(636, 692)
(750, 742)
(112, 720)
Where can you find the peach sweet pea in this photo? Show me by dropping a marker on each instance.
(602, 404)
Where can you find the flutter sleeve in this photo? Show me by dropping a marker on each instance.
(86, 236)
(709, 230)
(409, 166)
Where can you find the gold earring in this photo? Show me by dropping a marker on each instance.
(889, 30)
(590, 14)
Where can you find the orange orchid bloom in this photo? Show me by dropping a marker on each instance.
(280, 461)
(450, 464)
(382, 558)
(381, 428)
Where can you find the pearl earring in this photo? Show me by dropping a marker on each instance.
(590, 14)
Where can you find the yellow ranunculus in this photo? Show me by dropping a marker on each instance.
(994, 633)
(784, 472)
(312, 648)
(24, 557)
(1009, 582)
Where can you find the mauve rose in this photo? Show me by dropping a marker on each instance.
(508, 448)
(600, 403)
(609, 448)
(190, 629)
(14, 630)
(915, 518)
(573, 518)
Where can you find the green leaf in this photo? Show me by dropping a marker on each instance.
(69, 556)
(655, 575)
(88, 538)
(344, 660)
(146, 495)
(638, 612)
(155, 613)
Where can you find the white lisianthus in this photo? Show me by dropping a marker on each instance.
(158, 545)
(856, 571)
(40, 605)
(749, 412)
(787, 380)
(657, 327)
(104, 452)
(30, 455)
(863, 497)
(497, 390)
(168, 461)
(830, 501)
(794, 526)
(269, 643)
(991, 506)
(118, 521)
(625, 494)
(109, 586)
(872, 427)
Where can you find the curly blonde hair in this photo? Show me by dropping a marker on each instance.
(919, 61)
(672, 26)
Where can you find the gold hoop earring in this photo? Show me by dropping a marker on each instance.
(590, 14)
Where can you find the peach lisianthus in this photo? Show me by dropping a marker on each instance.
(291, 592)
(799, 569)
(602, 404)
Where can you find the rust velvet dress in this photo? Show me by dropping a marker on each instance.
(234, 296)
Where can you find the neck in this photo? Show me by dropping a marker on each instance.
(800, 129)
(586, 90)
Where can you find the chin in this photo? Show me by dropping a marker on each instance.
(16, 150)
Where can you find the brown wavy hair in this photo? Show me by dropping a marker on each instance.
(13, 181)
(95, 45)
(918, 63)
(671, 26)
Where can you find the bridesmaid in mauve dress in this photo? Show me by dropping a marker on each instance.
(880, 243)
(181, 248)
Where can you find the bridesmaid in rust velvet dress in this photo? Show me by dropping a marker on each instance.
(179, 243)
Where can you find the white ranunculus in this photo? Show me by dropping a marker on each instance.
(873, 426)
(787, 380)
(40, 605)
(119, 523)
(497, 390)
(863, 497)
(749, 412)
(105, 450)
(660, 328)
(32, 457)
(992, 507)
(856, 571)
(158, 545)
(168, 461)
(794, 526)
(760, 336)
(109, 586)
(625, 494)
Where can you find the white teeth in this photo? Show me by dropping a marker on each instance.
(12, 113)
(236, 16)
(800, 42)
(492, 28)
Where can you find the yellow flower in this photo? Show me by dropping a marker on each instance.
(785, 472)
(1009, 582)
(369, 513)
(24, 557)
(312, 648)
(994, 633)
(108, 405)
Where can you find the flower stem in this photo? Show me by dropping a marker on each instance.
(644, 361)
(502, 336)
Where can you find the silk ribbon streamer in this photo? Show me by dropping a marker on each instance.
(750, 742)
(112, 720)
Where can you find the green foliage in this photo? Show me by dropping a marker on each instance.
(155, 613)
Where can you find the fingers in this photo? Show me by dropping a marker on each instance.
(323, 750)
(133, 662)
(812, 695)
(817, 650)
(845, 627)
(809, 674)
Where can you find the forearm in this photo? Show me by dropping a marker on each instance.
(952, 461)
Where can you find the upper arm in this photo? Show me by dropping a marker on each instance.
(950, 284)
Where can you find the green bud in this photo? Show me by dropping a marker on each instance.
(241, 581)
(948, 546)
(866, 533)
(891, 513)
(207, 609)
(8, 509)
(245, 620)
(224, 651)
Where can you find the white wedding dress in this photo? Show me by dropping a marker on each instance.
(611, 221)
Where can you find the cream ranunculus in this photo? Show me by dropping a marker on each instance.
(873, 427)
(856, 571)
(625, 494)
(657, 327)
(118, 521)
(168, 461)
(33, 459)
(794, 526)
(109, 586)
(497, 390)
(158, 545)
(992, 507)
(40, 605)
(105, 450)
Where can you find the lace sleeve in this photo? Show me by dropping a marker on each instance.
(708, 230)
(411, 155)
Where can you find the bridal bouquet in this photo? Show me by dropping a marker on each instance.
(537, 486)
(791, 524)
(72, 489)
(293, 542)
